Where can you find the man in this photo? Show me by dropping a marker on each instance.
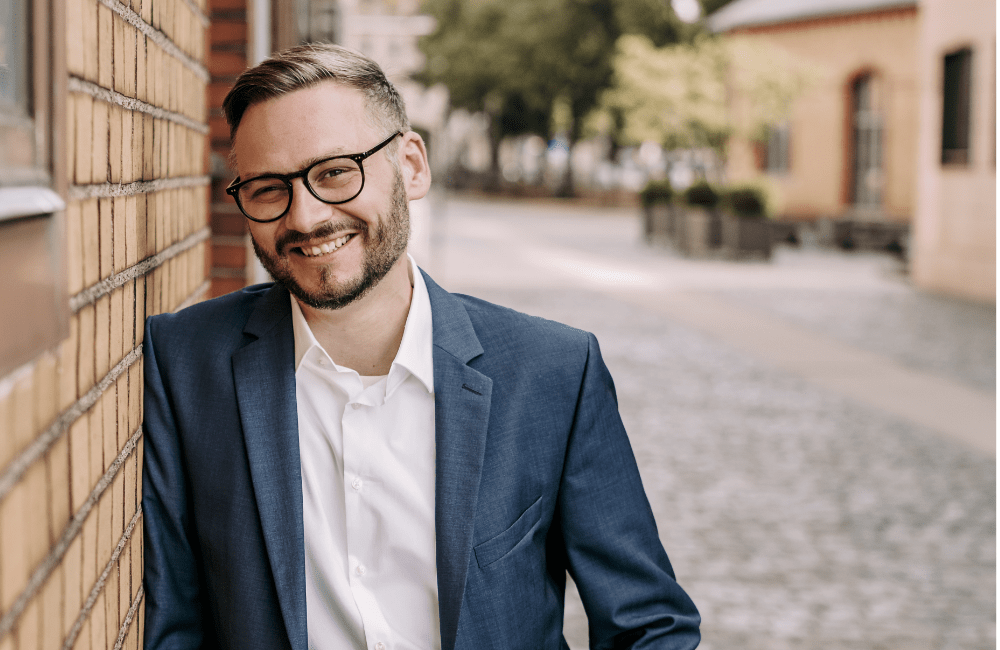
(355, 458)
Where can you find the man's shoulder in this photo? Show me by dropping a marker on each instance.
(224, 316)
(500, 327)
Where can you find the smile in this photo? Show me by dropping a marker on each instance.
(326, 247)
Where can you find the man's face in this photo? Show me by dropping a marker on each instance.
(326, 255)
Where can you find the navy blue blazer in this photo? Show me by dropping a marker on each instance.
(535, 477)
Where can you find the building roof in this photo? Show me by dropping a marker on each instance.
(748, 13)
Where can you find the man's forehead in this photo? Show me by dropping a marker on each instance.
(278, 134)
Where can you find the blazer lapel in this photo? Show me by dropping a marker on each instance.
(461, 415)
(264, 372)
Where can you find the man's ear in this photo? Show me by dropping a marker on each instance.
(414, 166)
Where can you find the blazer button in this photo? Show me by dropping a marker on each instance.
(379, 646)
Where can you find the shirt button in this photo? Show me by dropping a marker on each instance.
(360, 570)
(379, 646)
(355, 406)
(356, 484)
(321, 361)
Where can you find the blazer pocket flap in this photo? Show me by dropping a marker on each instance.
(500, 545)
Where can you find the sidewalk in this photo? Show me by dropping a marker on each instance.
(815, 437)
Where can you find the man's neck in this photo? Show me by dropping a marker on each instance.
(366, 334)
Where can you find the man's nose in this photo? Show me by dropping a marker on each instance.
(305, 211)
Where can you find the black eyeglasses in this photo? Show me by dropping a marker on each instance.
(333, 180)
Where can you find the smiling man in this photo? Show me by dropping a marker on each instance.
(352, 457)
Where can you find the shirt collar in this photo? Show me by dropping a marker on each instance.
(415, 354)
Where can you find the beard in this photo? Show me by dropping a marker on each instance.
(384, 243)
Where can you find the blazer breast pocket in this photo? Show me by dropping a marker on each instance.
(497, 547)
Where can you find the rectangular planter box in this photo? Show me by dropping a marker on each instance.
(746, 237)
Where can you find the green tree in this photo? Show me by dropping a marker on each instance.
(518, 60)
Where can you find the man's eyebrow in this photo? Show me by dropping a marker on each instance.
(339, 151)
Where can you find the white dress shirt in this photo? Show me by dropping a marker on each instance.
(367, 455)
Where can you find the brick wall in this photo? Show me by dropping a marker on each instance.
(135, 244)
(227, 58)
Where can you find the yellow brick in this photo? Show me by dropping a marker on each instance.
(85, 364)
(140, 447)
(46, 390)
(121, 389)
(105, 238)
(7, 449)
(145, 10)
(98, 625)
(90, 241)
(106, 539)
(90, 570)
(23, 411)
(126, 145)
(145, 141)
(134, 398)
(79, 458)
(130, 468)
(155, 149)
(89, 35)
(111, 596)
(69, 151)
(58, 475)
(99, 166)
(29, 626)
(34, 528)
(118, 236)
(74, 44)
(7, 643)
(117, 326)
(124, 584)
(118, 505)
(118, 65)
(74, 248)
(105, 47)
(84, 130)
(67, 365)
(115, 143)
(96, 443)
(131, 237)
(140, 311)
(140, 67)
(14, 569)
(102, 337)
(128, 87)
(109, 430)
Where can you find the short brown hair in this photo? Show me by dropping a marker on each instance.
(302, 66)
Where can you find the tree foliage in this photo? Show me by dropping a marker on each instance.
(682, 96)
(518, 60)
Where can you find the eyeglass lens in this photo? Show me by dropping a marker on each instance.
(335, 181)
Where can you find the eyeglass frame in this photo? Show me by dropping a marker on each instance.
(359, 158)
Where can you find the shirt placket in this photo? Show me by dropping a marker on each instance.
(361, 495)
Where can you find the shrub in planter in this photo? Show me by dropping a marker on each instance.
(701, 194)
(656, 192)
(746, 229)
(703, 225)
(656, 200)
(746, 202)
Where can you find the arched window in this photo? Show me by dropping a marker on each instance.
(866, 122)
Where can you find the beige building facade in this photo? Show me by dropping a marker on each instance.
(846, 146)
(955, 228)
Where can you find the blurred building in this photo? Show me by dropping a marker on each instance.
(847, 146)
(245, 32)
(103, 221)
(955, 229)
(896, 126)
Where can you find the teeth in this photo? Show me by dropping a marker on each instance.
(325, 247)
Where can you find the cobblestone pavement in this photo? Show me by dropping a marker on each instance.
(797, 519)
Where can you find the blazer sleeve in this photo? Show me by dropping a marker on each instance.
(173, 607)
(613, 549)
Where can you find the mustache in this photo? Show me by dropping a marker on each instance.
(324, 230)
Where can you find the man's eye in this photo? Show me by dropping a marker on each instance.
(272, 192)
